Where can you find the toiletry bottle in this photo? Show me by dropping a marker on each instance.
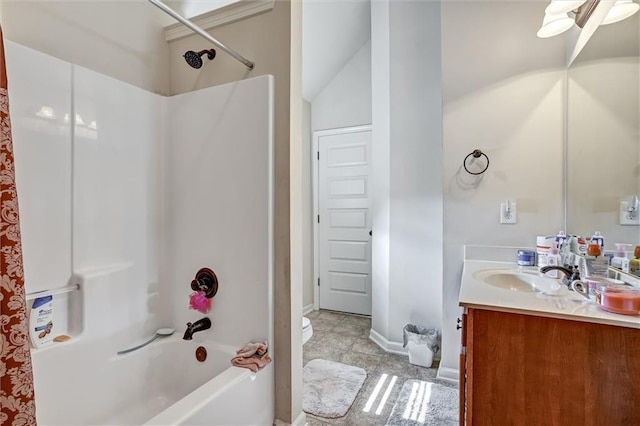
(593, 249)
(561, 238)
(620, 260)
(597, 237)
(595, 265)
(634, 264)
(563, 243)
(553, 259)
(41, 321)
(543, 245)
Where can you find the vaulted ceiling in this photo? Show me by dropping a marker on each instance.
(332, 32)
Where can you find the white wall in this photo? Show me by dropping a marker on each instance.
(503, 94)
(380, 165)
(416, 171)
(346, 100)
(121, 39)
(407, 208)
(307, 208)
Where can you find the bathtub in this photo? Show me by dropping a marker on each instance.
(161, 384)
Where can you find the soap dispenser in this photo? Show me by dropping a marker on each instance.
(620, 260)
(561, 238)
(554, 259)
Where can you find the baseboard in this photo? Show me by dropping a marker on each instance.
(386, 345)
(307, 309)
(301, 420)
(451, 375)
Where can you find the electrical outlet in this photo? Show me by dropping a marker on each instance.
(508, 213)
(626, 218)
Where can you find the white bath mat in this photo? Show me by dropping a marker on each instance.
(329, 388)
(425, 404)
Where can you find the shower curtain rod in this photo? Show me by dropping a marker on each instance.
(202, 32)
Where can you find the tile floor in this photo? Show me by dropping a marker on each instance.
(345, 338)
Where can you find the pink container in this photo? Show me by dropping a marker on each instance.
(619, 299)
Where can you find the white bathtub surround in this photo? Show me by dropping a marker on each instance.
(116, 209)
(39, 101)
(218, 206)
(140, 192)
(146, 384)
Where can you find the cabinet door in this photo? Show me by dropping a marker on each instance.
(463, 369)
(462, 372)
(530, 370)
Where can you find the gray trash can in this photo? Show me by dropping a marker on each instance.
(422, 344)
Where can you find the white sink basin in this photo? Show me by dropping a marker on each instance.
(517, 280)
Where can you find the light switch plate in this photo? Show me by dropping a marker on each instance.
(624, 215)
(510, 217)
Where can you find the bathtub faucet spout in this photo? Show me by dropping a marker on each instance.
(200, 325)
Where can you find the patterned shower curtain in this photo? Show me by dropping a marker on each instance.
(16, 378)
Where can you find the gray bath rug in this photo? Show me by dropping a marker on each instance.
(329, 388)
(423, 403)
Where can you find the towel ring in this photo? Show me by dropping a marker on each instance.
(476, 154)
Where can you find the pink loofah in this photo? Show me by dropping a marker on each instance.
(198, 301)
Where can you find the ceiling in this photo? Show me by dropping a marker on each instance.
(332, 33)
(191, 8)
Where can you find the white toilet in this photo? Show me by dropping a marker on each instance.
(307, 330)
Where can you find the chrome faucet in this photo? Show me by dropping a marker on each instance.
(570, 273)
(200, 325)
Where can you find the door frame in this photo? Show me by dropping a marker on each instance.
(315, 171)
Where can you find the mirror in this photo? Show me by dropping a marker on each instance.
(603, 133)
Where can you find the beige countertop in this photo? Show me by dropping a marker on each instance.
(476, 293)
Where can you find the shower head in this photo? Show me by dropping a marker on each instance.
(194, 59)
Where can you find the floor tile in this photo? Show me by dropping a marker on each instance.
(349, 329)
(345, 338)
(313, 315)
(330, 315)
(320, 351)
(312, 421)
(368, 362)
(361, 322)
(376, 401)
(337, 341)
(325, 421)
(322, 324)
(315, 338)
(398, 365)
(366, 346)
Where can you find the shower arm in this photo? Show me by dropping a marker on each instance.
(249, 64)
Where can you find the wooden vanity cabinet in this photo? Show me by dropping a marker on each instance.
(529, 370)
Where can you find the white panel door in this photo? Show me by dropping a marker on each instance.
(344, 205)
